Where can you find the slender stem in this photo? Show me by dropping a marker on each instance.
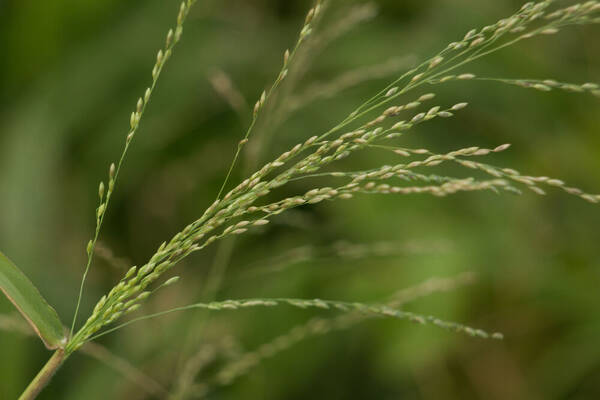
(267, 96)
(44, 376)
(236, 156)
(134, 125)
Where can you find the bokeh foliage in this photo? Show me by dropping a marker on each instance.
(70, 74)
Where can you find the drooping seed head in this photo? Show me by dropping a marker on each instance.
(502, 147)
(417, 77)
(391, 92)
(459, 106)
(171, 281)
(286, 56)
(436, 61)
(427, 96)
(169, 39)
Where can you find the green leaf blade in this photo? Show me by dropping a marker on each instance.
(30, 303)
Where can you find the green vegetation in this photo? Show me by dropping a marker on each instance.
(315, 163)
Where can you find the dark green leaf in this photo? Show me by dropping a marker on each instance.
(30, 303)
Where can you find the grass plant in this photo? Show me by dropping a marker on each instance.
(379, 124)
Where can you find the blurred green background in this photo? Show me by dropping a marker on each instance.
(70, 73)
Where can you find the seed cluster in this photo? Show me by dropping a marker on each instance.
(367, 309)
(172, 37)
(544, 85)
(531, 20)
(320, 325)
(245, 207)
(288, 56)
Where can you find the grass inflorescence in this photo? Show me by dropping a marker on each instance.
(376, 125)
(236, 211)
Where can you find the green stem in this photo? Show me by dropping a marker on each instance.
(43, 377)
